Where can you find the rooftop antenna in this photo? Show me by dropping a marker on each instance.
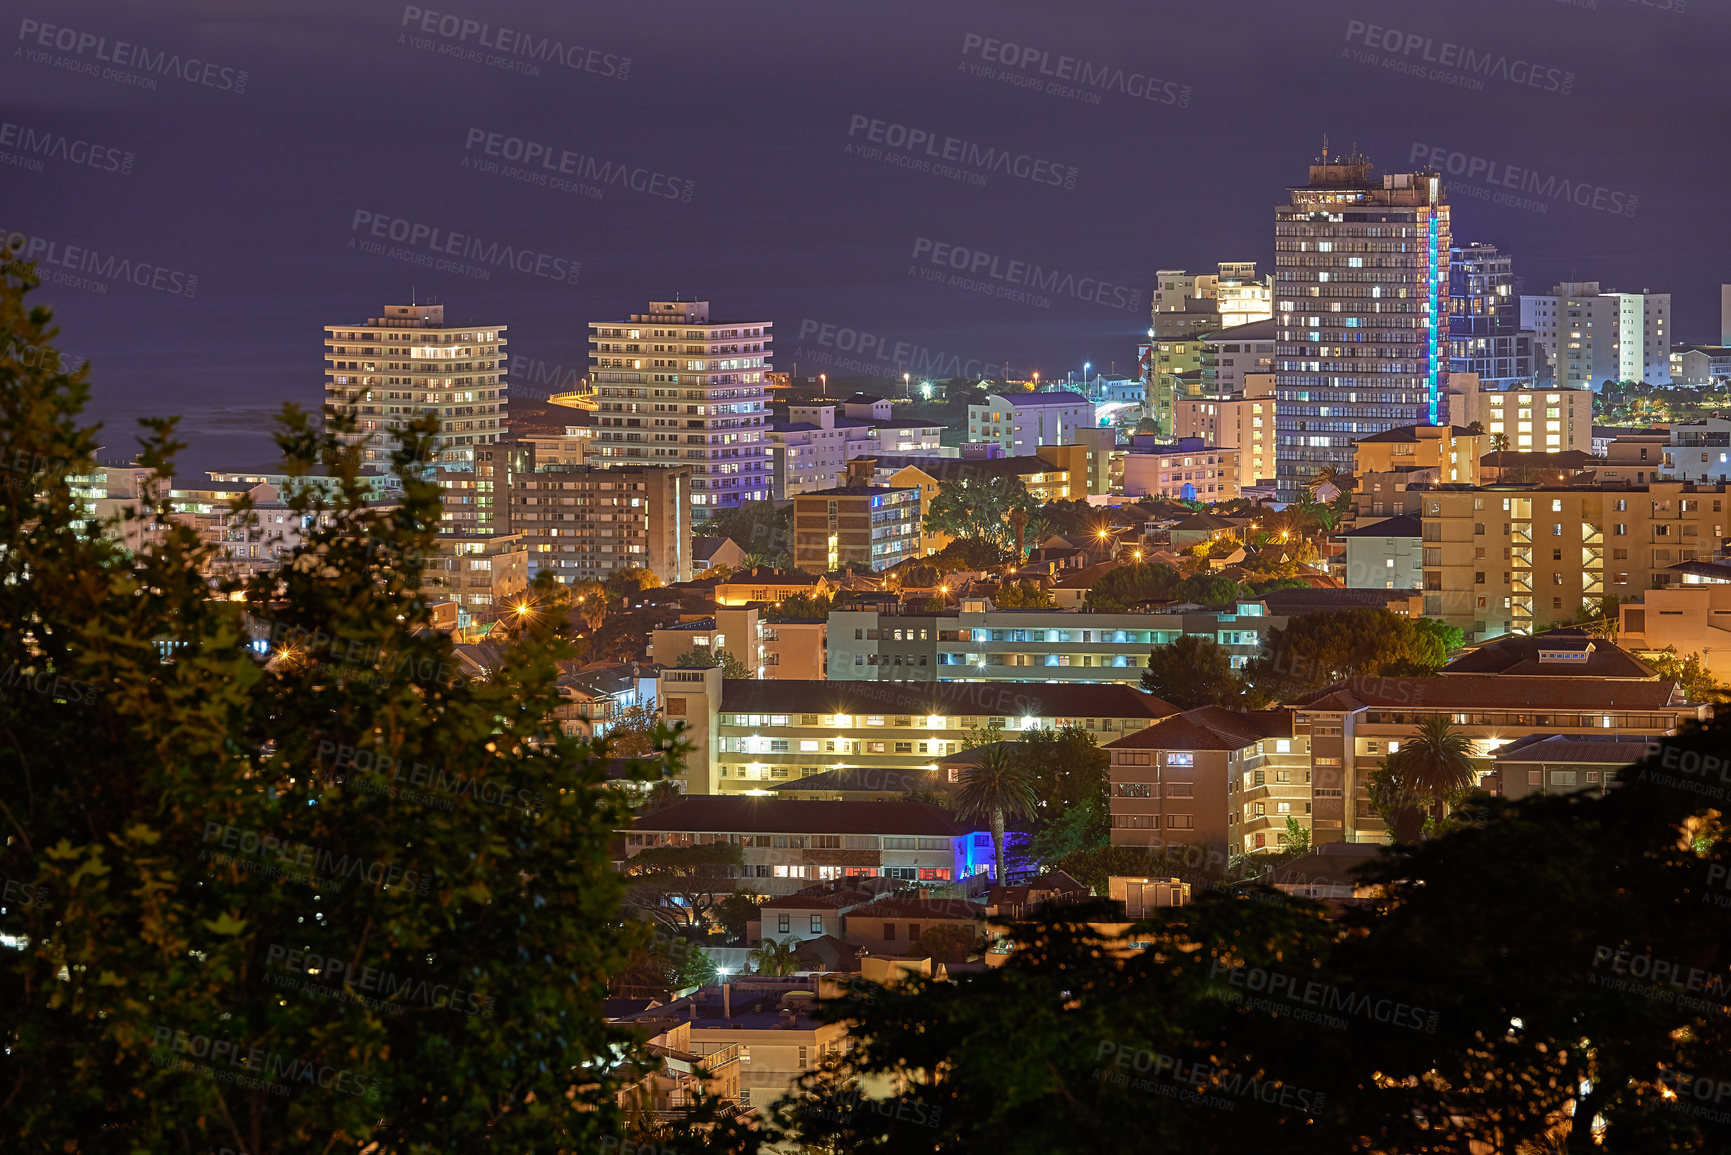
(1323, 159)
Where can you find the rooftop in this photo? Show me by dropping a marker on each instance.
(1595, 749)
(1572, 652)
(1054, 397)
(721, 813)
(1210, 728)
(941, 699)
(1402, 525)
(1493, 691)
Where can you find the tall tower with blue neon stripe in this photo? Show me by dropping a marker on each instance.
(1361, 301)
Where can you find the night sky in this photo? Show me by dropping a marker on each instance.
(735, 119)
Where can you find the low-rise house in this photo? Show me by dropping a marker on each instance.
(1142, 896)
(787, 844)
(715, 553)
(1691, 614)
(1023, 899)
(893, 925)
(1564, 763)
(811, 912)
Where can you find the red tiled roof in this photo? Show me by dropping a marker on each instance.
(1494, 691)
(1209, 728)
(831, 900)
(898, 906)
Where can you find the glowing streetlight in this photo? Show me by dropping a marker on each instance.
(907, 386)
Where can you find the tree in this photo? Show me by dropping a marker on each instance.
(799, 606)
(949, 944)
(634, 732)
(1065, 767)
(1119, 589)
(979, 509)
(994, 790)
(680, 885)
(1192, 671)
(1499, 443)
(1394, 798)
(1076, 829)
(1094, 865)
(1147, 426)
(665, 963)
(1436, 642)
(1690, 672)
(759, 528)
(774, 959)
(1317, 649)
(1437, 762)
(1023, 595)
(629, 582)
(1208, 589)
(223, 871)
(1297, 838)
(708, 657)
(735, 913)
(967, 554)
(1328, 475)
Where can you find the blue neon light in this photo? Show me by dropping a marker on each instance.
(1433, 320)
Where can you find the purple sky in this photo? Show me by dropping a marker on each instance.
(749, 108)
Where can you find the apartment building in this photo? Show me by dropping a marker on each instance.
(242, 544)
(1690, 615)
(976, 642)
(1564, 763)
(1361, 289)
(1501, 560)
(1452, 451)
(1239, 295)
(749, 735)
(1022, 422)
(1700, 451)
(1225, 779)
(763, 584)
(865, 526)
(582, 523)
(738, 630)
(1353, 726)
(1700, 364)
(1232, 355)
(676, 388)
(811, 449)
(1188, 469)
(1240, 420)
(1172, 366)
(1385, 554)
(1593, 336)
(1093, 462)
(1557, 420)
(787, 843)
(483, 574)
(389, 370)
(1485, 335)
(762, 1027)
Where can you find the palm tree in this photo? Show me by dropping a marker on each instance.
(1329, 475)
(995, 789)
(1438, 762)
(1499, 443)
(772, 958)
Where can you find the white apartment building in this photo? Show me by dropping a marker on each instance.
(389, 370)
(1700, 451)
(1240, 295)
(1023, 422)
(1593, 336)
(675, 388)
(811, 449)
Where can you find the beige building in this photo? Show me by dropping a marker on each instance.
(750, 735)
(389, 370)
(737, 630)
(762, 584)
(1534, 420)
(1094, 462)
(1451, 450)
(1214, 777)
(796, 649)
(1187, 470)
(1691, 614)
(862, 526)
(1515, 560)
(586, 524)
(1244, 422)
(484, 574)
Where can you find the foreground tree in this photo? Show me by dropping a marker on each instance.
(981, 510)
(334, 899)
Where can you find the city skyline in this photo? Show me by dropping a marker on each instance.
(212, 185)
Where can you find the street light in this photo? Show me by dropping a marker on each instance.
(1086, 365)
(907, 386)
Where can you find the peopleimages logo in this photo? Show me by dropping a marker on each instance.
(435, 243)
(989, 272)
(36, 145)
(1455, 63)
(547, 164)
(82, 267)
(1024, 66)
(506, 48)
(924, 150)
(1543, 189)
(144, 63)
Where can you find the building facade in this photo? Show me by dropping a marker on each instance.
(677, 388)
(1241, 421)
(1189, 469)
(867, 526)
(1700, 451)
(585, 524)
(389, 370)
(1021, 423)
(1485, 335)
(1511, 560)
(1361, 299)
(1593, 336)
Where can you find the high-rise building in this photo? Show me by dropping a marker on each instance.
(1361, 289)
(676, 388)
(586, 524)
(869, 526)
(389, 370)
(1595, 336)
(1485, 335)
